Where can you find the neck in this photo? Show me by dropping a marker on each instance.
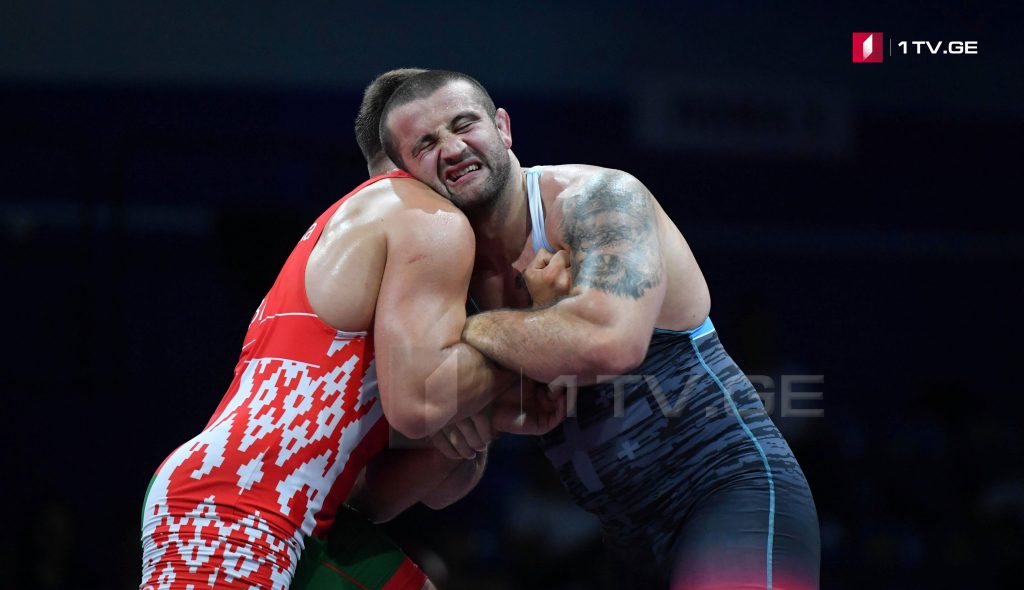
(502, 229)
(381, 165)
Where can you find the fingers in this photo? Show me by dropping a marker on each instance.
(551, 411)
(441, 443)
(459, 442)
(542, 414)
(474, 439)
(513, 422)
(452, 444)
(507, 417)
(560, 259)
(482, 422)
(501, 421)
(537, 411)
(557, 274)
(561, 409)
(504, 412)
(540, 260)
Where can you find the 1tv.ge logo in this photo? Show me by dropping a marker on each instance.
(870, 48)
(867, 48)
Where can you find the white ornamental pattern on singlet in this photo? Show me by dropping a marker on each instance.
(280, 444)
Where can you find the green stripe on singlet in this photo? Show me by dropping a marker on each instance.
(356, 555)
(145, 499)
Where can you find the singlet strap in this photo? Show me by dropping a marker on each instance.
(540, 240)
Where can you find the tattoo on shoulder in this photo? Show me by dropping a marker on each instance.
(610, 227)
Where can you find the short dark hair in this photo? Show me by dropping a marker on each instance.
(375, 97)
(422, 86)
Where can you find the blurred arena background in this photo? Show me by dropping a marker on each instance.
(158, 161)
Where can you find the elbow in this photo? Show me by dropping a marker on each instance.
(405, 416)
(409, 425)
(438, 502)
(416, 420)
(615, 353)
(418, 407)
(414, 423)
(612, 342)
(409, 409)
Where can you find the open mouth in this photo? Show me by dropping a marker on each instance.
(455, 175)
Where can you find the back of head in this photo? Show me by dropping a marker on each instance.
(421, 86)
(375, 97)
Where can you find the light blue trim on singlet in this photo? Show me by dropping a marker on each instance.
(760, 451)
(705, 328)
(540, 239)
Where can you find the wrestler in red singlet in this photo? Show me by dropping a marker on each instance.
(231, 507)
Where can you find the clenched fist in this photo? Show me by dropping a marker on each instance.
(548, 278)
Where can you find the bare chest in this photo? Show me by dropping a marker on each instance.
(503, 287)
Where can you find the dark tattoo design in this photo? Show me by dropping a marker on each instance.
(610, 227)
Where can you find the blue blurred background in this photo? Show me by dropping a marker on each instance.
(158, 161)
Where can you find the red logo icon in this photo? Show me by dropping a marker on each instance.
(868, 48)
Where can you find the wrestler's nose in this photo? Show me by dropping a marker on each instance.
(452, 148)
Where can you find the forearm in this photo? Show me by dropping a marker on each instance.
(545, 343)
(460, 481)
(397, 479)
(463, 384)
(424, 391)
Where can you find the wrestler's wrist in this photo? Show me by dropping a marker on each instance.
(470, 330)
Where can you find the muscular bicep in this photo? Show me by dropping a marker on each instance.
(611, 228)
(421, 304)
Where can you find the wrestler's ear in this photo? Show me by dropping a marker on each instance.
(504, 125)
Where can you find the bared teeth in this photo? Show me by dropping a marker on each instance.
(463, 172)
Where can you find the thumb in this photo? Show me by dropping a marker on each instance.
(540, 260)
(560, 259)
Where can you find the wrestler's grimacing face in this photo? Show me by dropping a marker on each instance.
(449, 142)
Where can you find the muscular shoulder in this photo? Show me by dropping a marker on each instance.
(414, 195)
(424, 220)
(569, 182)
(608, 221)
(578, 190)
(390, 197)
(398, 215)
(393, 203)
